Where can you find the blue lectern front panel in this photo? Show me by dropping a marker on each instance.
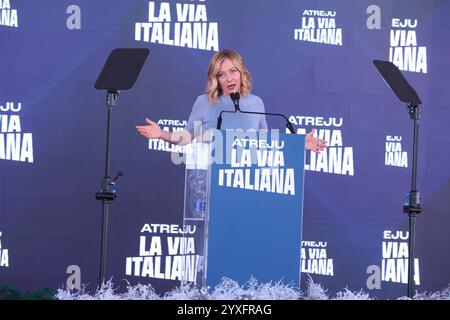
(256, 210)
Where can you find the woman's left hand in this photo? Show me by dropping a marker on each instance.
(314, 144)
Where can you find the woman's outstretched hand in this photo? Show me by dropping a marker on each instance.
(314, 144)
(151, 131)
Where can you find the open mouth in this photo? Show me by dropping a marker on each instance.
(231, 87)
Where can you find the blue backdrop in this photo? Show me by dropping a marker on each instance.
(311, 60)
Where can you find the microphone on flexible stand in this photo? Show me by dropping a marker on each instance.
(219, 121)
(235, 96)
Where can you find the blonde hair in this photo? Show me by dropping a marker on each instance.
(213, 89)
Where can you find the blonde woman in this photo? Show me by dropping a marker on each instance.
(227, 74)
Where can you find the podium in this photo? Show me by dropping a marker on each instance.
(244, 198)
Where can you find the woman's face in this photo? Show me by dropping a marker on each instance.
(229, 77)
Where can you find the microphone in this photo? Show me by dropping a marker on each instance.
(235, 96)
(219, 121)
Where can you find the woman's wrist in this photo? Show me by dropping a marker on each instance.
(164, 135)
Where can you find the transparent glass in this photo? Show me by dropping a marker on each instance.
(196, 212)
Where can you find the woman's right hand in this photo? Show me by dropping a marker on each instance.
(151, 131)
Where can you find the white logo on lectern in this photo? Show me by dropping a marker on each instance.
(337, 158)
(271, 173)
(8, 16)
(179, 25)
